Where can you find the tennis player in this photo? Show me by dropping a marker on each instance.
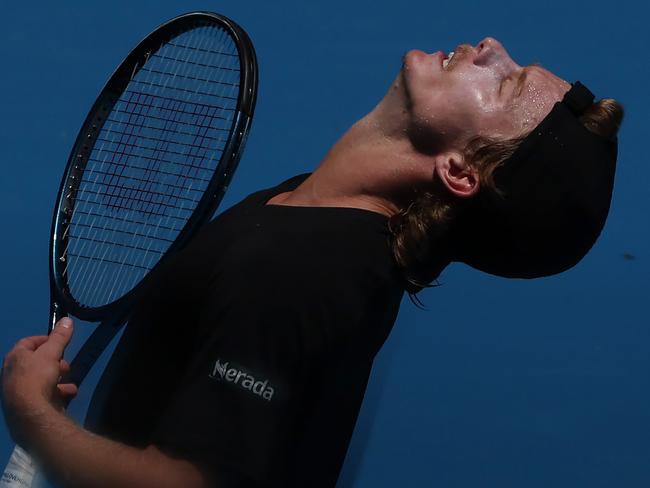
(247, 361)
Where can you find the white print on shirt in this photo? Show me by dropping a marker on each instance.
(232, 375)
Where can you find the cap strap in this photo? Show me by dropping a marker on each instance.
(578, 98)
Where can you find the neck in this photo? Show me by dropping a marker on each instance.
(373, 166)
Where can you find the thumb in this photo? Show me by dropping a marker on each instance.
(58, 338)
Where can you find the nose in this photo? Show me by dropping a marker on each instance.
(489, 50)
(489, 43)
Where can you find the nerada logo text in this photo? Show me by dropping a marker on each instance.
(221, 371)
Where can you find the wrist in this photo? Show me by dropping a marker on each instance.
(31, 425)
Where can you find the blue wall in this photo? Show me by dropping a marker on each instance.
(504, 383)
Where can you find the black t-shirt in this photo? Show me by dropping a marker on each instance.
(250, 353)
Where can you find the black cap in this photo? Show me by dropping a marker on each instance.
(557, 190)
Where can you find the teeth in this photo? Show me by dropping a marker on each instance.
(445, 61)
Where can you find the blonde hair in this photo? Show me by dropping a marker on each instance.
(420, 232)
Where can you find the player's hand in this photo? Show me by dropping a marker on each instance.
(30, 373)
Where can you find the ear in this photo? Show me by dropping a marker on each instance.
(452, 171)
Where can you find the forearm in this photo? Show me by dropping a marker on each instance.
(76, 458)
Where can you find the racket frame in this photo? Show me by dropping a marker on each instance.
(62, 301)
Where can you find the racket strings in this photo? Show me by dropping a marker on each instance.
(137, 105)
(120, 244)
(120, 154)
(209, 66)
(141, 180)
(170, 131)
(158, 139)
(218, 81)
(190, 173)
(158, 147)
(151, 163)
(192, 78)
(132, 234)
(191, 47)
(127, 199)
(132, 221)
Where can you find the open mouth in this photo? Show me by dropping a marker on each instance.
(445, 60)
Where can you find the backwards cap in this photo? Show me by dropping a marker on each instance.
(558, 188)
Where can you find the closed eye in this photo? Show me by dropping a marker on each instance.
(521, 79)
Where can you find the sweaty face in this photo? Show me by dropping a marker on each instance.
(481, 91)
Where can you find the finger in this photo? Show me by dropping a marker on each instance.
(31, 343)
(64, 367)
(68, 389)
(58, 339)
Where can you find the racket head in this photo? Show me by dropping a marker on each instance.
(187, 91)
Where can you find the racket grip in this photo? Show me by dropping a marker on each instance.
(20, 470)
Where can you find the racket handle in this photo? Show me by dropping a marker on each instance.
(20, 470)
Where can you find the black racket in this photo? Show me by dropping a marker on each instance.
(150, 165)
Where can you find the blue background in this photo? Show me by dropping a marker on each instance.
(504, 383)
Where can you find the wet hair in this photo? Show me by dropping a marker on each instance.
(420, 232)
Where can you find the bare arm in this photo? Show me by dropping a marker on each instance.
(75, 458)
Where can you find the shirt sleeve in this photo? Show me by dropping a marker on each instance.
(236, 409)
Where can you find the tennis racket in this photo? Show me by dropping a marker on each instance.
(150, 165)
